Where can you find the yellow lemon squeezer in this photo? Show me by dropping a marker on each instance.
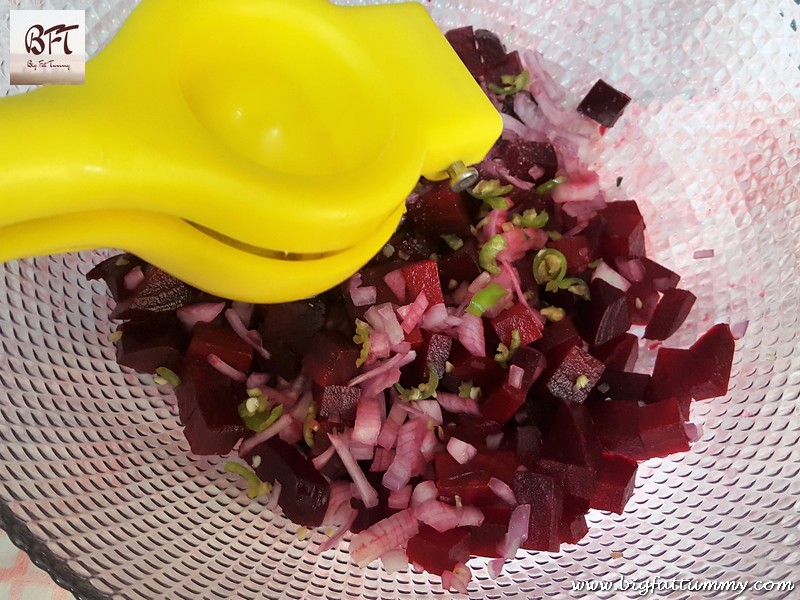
(260, 150)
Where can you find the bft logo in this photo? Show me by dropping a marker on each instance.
(48, 46)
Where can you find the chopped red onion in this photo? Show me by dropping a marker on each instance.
(274, 496)
(338, 503)
(631, 269)
(424, 491)
(739, 329)
(202, 312)
(394, 561)
(470, 334)
(379, 346)
(133, 278)
(515, 375)
(368, 494)
(459, 579)
(383, 458)
(396, 281)
(322, 460)
(480, 282)
(493, 441)
(519, 242)
(361, 451)
(503, 491)
(495, 567)
(430, 447)
(244, 310)
(251, 338)
(408, 456)
(453, 403)
(517, 531)
(224, 368)
(503, 173)
(461, 451)
(412, 313)
(256, 380)
(300, 410)
(248, 444)
(444, 517)
(518, 129)
(435, 318)
(575, 190)
(361, 295)
(610, 276)
(694, 431)
(399, 499)
(388, 435)
(281, 397)
(705, 253)
(368, 421)
(388, 534)
(430, 408)
(395, 362)
(343, 530)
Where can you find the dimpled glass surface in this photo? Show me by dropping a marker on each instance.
(97, 484)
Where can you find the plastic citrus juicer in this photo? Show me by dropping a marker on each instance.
(260, 150)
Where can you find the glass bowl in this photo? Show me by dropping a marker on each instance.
(98, 486)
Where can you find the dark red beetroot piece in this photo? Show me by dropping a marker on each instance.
(521, 318)
(460, 265)
(660, 277)
(622, 385)
(463, 42)
(622, 231)
(222, 341)
(483, 371)
(288, 330)
(527, 444)
(470, 429)
(438, 552)
(671, 375)
(367, 517)
(304, 492)
(661, 429)
(574, 376)
(576, 250)
(440, 210)
(502, 402)
(487, 536)
(159, 292)
(471, 481)
(546, 500)
(573, 525)
(434, 350)
(712, 359)
(113, 270)
(523, 157)
(331, 359)
(572, 438)
(604, 104)
(642, 302)
(609, 318)
(669, 314)
(557, 338)
(423, 276)
(617, 426)
(147, 345)
(620, 354)
(338, 401)
(614, 483)
(208, 406)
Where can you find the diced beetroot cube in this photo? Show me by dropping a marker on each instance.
(624, 385)
(576, 250)
(472, 430)
(113, 270)
(573, 527)
(331, 360)
(338, 400)
(661, 429)
(672, 374)
(521, 318)
(434, 350)
(620, 354)
(501, 403)
(147, 345)
(623, 234)
(214, 339)
(367, 517)
(545, 497)
(471, 481)
(527, 282)
(423, 276)
(574, 376)
(604, 104)
(463, 42)
(670, 313)
(483, 371)
(509, 65)
(617, 426)
(460, 265)
(609, 318)
(616, 477)
(486, 538)
(557, 338)
(287, 330)
(711, 360)
(414, 338)
(658, 276)
(490, 47)
(529, 161)
(438, 552)
(440, 210)
(304, 492)
(208, 405)
(575, 480)
(527, 444)
(572, 437)
(159, 292)
(642, 302)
